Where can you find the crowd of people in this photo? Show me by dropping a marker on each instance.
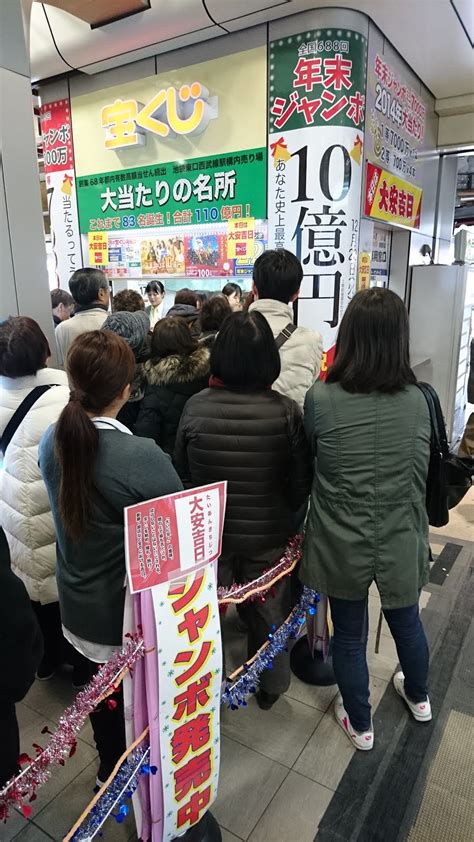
(216, 389)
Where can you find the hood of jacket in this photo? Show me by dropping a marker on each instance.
(178, 369)
(186, 311)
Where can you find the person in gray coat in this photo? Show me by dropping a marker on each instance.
(93, 468)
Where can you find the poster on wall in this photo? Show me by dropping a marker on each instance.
(56, 132)
(162, 256)
(396, 140)
(206, 256)
(206, 190)
(316, 137)
(381, 246)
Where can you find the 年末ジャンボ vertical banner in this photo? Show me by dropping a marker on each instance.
(56, 131)
(317, 85)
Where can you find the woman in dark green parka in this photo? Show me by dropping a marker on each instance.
(370, 429)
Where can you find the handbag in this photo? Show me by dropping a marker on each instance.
(449, 476)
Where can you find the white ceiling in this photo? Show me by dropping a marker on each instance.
(427, 33)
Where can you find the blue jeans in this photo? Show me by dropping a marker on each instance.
(351, 628)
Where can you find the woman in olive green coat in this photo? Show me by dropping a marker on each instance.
(370, 429)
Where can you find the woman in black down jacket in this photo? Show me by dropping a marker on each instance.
(241, 431)
(178, 368)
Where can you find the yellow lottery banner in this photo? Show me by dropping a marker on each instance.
(240, 238)
(389, 198)
(363, 281)
(98, 251)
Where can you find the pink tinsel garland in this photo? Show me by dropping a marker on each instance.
(62, 744)
(63, 741)
(258, 587)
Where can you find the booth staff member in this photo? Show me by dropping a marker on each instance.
(156, 296)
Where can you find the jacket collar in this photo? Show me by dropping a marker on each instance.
(178, 369)
(270, 308)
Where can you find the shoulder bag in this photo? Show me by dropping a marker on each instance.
(20, 413)
(285, 334)
(449, 476)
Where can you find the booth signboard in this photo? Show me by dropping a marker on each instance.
(202, 190)
(391, 199)
(397, 144)
(240, 238)
(58, 156)
(171, 536)
(98, 249)
(316, 136)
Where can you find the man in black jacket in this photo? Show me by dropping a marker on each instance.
(21, 650)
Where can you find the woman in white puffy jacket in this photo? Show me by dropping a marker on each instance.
(25, 514)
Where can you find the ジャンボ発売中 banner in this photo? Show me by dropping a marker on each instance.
(316, 136)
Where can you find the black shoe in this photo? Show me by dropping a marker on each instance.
(266, 700)
(46, 670)
(80, 677)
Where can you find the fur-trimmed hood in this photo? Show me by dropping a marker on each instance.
(178, 369)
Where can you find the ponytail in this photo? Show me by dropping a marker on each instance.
(77, 444)
(100, 365)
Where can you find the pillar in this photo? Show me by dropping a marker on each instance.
(24, 286)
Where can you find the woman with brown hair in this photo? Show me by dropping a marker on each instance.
(93, 468)
(177, 369)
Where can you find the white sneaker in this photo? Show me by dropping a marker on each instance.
(421, 711)
(363, 741)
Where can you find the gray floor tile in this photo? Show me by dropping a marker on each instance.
(280, 733)
(50, 698)
(27, 717)
(32, 833)
(229, 837)
(328, 752)
(248, 782)
(61, 813)
(317, 697)
(15, 825)
(294, 813)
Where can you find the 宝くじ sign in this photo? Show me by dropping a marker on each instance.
(170, 112)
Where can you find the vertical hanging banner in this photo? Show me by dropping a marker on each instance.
(171, 548)
(316, 137)
(56, 132)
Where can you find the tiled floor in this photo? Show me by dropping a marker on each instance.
(280, 768)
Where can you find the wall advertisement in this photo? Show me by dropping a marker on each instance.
(316, 136)
(396, 141)
(201, 190)
(56, 131)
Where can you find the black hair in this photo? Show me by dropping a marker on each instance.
(214, 311)
(244, 355)
(155, 286)
(85, 285)
(230, 288)
(278, 275)
(373, 348)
